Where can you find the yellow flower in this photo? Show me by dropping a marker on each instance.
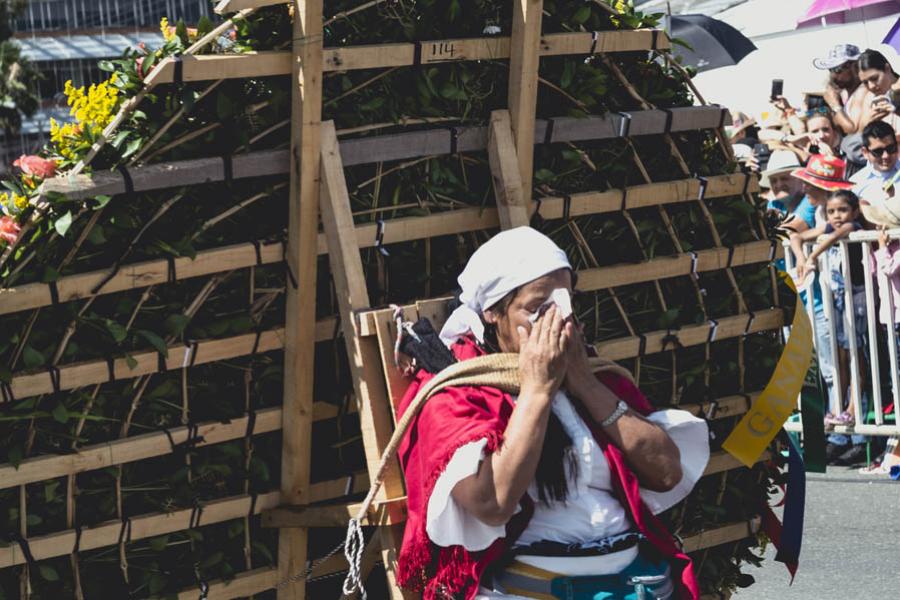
(21, 202)
(167, 30)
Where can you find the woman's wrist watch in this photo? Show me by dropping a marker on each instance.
(621, 409)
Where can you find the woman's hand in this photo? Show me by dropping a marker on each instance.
(580, 377)
(882, 237)
(543, 358)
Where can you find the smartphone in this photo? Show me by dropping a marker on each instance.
(777, 88)
(814, 101)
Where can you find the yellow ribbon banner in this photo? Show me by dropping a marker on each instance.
(778, 401)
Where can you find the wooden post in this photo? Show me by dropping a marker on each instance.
(512, 206)
(524, 60)
(301, 256)
(364, 359)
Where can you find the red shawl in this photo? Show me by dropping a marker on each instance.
(456, 416)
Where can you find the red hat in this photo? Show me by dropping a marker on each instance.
(824, 172)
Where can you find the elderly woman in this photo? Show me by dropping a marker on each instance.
(550, 494)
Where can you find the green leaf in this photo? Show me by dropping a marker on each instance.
(117, 331)
(157, 342)
(32, 358)
(102, 200)
(159, 543)
(61, 413)
(14, 455)
(131, 361)
(48, 573)
(33, 519)
(133, 147)
(50, 490)
(119, 139)
(63, 223)
(175, 324)
(582, 14)
(212, 559)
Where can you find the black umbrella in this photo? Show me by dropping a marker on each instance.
(713, 44)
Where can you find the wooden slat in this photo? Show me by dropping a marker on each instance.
(524, 64)
(130, 449)
(509, 182)
(300, 300)
(139, 275)
(728, 327)
(149, 525)
(674, 266)
(148, 445)
(378, 56)
(159, 176)
(715, 537)
(335, 515)
(142, 527)
(243, 585)
(88, 373)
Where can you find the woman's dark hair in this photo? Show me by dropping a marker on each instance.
(847, 196)
(558, 450)
(873, 59)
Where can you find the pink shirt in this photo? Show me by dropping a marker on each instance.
(887, 269)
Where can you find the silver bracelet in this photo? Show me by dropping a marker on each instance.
(621, 409)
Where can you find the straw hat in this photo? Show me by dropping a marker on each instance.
(881, 207)
(781, 161)
(824, 172)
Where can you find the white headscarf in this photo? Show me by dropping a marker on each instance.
(508, 260)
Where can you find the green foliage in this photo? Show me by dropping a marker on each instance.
(18, 76)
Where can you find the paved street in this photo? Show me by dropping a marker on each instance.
(850, 544)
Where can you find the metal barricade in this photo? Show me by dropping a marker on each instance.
(884, 423)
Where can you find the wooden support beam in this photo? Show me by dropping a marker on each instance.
(717, 536)
(151, 445)
(728, 327)
(335, 515)
(524, 62)
(144, 363)
(509, 190)
(381, 56)
(376, 420)
(242, 585)
(300, 301)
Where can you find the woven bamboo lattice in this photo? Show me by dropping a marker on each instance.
(165, 322)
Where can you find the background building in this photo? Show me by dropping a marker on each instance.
(66, 38)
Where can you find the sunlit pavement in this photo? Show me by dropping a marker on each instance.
(851, 542)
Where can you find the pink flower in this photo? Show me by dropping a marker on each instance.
(139, 63)
(9, 229)
(37, 166)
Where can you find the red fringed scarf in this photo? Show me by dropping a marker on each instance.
(457, 416)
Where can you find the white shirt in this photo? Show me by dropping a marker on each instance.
(591, 510)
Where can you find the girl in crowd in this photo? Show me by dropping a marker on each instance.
(843, 217)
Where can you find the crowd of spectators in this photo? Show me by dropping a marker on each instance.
(828, 169)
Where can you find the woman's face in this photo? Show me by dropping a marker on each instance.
(524, 304)
(820, 129)
(876, 81)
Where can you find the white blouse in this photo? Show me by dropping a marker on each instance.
(591, 510)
